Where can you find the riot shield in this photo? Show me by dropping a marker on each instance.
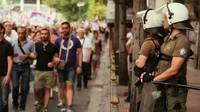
(152, 99)
(135, 95)
(147, 98)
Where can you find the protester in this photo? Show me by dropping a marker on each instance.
(68, 45)
(6, 64)
(87, 51)
(23, 47)
(44, 77)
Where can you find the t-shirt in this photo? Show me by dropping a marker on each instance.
(44, 55)
(73, 46)
(91, 37)
(6, 50)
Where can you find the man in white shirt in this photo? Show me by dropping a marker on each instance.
(89, 35)
(87, 51)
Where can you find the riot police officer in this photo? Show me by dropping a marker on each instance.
(145, 65)
(176, 48)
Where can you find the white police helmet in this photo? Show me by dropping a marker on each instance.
(150, 18)
(177, 15)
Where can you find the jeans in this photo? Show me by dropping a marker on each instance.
(20, 76)
(4, 93)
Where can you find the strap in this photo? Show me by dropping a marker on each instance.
(165, 57)
(20, 46)
(145, 16)
(157, 47)
(83, 42)
(62, 46)
(162, 55)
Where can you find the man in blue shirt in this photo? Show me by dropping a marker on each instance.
(23, 47)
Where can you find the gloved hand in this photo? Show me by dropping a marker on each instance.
(147, 77)
(138, 71)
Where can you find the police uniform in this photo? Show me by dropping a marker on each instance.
(152, 25)
(148, 49)
(177, 46)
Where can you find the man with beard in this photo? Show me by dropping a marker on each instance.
(68, 47)
(44, 77)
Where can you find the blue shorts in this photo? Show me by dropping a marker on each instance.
(67, 75)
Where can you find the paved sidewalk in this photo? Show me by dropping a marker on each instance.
(100, 90)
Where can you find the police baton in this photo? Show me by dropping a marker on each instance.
(177, 85)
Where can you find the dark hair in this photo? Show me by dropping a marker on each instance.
(95, 31)
(23, 27)
(66, 23)
(6, 22)
(54, 31)
(35, 33)
(29, 30)
(46, 30)
(2, 27)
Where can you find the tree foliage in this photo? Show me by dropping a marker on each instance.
(72, 12)
(96, 8)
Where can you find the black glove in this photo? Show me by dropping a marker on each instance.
(147, 77)
(138, 71)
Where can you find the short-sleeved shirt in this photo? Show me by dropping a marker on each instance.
(6, 50)
(177, 46)
(45, 55)
(73, 46)
(28, 47)
(86, 44)
(91, 37)
(148, 47)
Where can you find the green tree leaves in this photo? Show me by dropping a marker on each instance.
(72, 12)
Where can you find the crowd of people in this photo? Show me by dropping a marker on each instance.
(68, 56)
(63, 56)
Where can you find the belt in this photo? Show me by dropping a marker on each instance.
(21, 64)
